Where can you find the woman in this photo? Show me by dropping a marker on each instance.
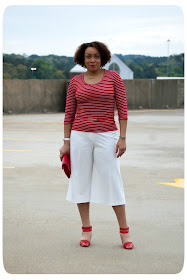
(91, 138)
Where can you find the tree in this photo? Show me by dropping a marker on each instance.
(138, 71)
(9, 71)
(58, 74)
(21, 71)
(51, 66)
(43, 70)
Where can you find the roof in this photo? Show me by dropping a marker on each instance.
(78, 69)
(117, 60)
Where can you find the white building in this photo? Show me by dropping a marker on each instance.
(170, 78)
(115, 64)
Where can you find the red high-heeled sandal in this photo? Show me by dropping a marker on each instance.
(126, 244)
(82, 242)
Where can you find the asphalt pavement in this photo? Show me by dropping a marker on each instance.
(42, 230)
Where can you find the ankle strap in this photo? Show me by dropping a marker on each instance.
(124, 230)
(86, 229)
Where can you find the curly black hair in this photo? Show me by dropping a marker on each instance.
(101, 47)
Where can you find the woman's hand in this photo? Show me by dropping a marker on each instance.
(120, 147)
(65, 149)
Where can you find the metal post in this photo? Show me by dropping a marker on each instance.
(168, 41)
(33, 68)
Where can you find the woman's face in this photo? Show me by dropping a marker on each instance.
(92, 59)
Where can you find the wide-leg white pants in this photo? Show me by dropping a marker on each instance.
(95, 169)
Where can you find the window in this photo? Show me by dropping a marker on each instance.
(114, 67)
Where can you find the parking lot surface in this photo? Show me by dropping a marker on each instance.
(42, 230)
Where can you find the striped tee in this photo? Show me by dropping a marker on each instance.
(90, 107)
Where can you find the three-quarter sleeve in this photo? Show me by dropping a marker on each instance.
(71, 103)
(120, 97)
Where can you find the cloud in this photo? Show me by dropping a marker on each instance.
(124, 30)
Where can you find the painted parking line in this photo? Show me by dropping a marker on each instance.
(30, 122)
(9, 167)
(17, 150)
(179, 183)
(24, 139)
(147, 111)
(30, 129)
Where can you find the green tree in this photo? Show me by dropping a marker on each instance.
(43, 69)
(6, 76)
(21, 71)
(58, 67)
(138, 71)
(14, 59)
(9, 71)
(58, 74)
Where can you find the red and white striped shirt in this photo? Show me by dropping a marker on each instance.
(90, 107)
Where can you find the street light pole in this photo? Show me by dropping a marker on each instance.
(168, 41)
(33, 69)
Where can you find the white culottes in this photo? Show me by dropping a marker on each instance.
(95, 168)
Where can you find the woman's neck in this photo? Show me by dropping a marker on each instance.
(94, 73)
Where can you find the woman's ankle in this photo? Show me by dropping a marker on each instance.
(123, 226)
(86, 225)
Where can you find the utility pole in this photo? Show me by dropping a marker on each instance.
(168, 41)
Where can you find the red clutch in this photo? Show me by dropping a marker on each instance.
(66, 165)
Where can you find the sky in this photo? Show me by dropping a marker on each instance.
(60, 29)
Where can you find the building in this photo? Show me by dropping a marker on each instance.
(115, 64)
(169, 78)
